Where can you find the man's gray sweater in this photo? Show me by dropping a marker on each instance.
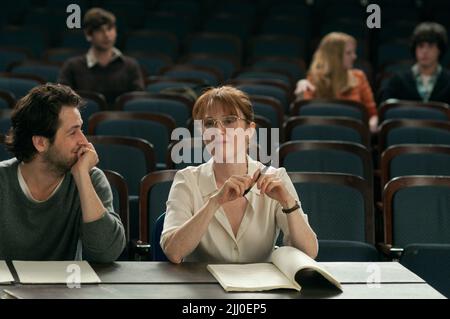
(51, 230)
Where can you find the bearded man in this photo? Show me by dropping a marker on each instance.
(54, 203)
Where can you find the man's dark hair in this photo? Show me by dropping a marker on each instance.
(430, 32)
(37, 114)
(95, 18)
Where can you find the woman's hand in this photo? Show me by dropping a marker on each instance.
(303, 86)
(373, 124)
(273, 186)
(233, 188)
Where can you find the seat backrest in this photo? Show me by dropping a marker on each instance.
(187, 87)
(294, 66)
(277, 45)
(399, 109)
(153, 196)
(115, 154)
(331, 107)
(285, 25)
(345, 250)
(19, 85)
(4, 154)
(231, 24)
(215, 43)
(32, 38)
(94, 102)
(121, 205)
(176, 106)
(48, 71)
(405, 160)
(326, 129)
(5, 121)
(7, 100)
(151, 63)
(157, 252)
(186, 152)
(260, 73)
(192, 9)
(416, 210)
(60, 55)
(330, 110)
(153, 42)
(246, 11)
(291, 9)
(270, 108)
(272, 88)
(74, 39)
(431, 262)
(154, 128)
(209, 75)
(395, 132)
(393, 51)
(331, 157)
(172, 108)
(11, 55)
(178, 25)
(227, 65)
(339, 206)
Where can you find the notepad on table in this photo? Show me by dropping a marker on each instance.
(55, 272)
(5, 275)
(287, 264)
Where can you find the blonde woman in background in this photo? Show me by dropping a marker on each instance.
(331, 75)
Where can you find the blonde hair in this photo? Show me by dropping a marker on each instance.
(327, 71)
(230, 99)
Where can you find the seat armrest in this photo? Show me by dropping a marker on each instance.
(140, 250)
(392, 253)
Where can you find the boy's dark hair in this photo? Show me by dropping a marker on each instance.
(97, 17)
(430, 32)
(37, 114)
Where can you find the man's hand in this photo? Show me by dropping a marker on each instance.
(87, 159)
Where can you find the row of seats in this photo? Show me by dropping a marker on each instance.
(158, 49)
(313, 120)
(306, 153)
(168, 36)
(340, 210)
(295, 156)
(308, 120)
(259, 81)
(298, 128)
(135, 14)
(339, 206)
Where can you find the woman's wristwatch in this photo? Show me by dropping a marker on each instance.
(290, 210)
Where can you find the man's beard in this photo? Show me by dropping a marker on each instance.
(101, 48)
(57, 163)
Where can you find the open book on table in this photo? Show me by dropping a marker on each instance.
(55, 272)
(284, 271)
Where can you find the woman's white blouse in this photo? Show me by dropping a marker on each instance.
(259, 228)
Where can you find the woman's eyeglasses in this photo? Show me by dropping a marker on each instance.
(229, 121)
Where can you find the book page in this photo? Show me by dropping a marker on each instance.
(55, 272)
(5, 275)
(250, 277)
(290, 261)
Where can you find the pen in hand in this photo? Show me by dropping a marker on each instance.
(264, 170)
